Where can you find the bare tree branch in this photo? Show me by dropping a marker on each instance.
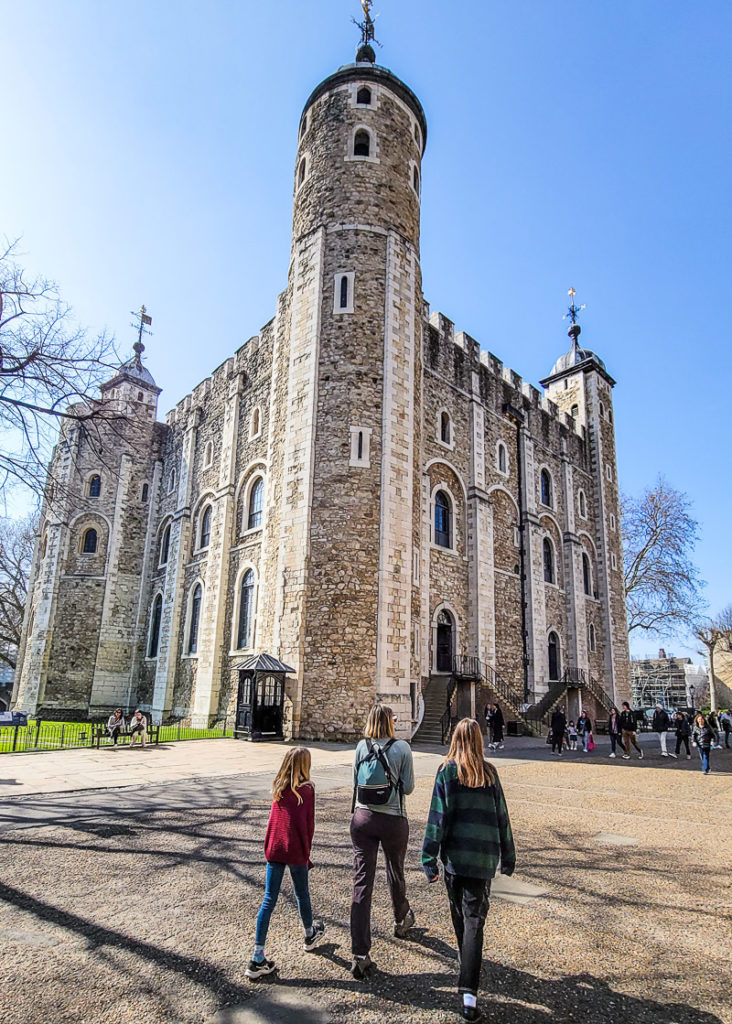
(17, 537)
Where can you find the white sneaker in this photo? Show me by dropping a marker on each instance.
(672, 755)
(664, 754)
(611, 755)
(501, 746)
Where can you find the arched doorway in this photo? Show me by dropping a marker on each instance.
(554, 658)
(445, 642)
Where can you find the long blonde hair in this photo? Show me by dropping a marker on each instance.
(294, 772)
(380, 723)
(466, 750)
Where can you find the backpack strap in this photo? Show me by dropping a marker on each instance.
(370, 749)
(395, 782)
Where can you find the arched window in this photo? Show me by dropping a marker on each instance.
(415, 180)
(44, 545)
(256, 500)
(554, 660)
(602, 411)
(145, 492)
(582, 505)
(302, 172)
(445, 428)
(208, 454)
(95, 486)
(548, 561)
(195, 619)
(89, 543)
(246, 610)
(344, 292)
(256, 424)
(165, 545)
(587, 574)
(157, 614)
(442, 520)
(303, 125)
(205, 538)
(171, 482)
(593, 642)
(359, 445)
(362, 143)
(445, 651)
(574, 411)
(501, 458)
(546, 488)
(417, 135)
(363, 97)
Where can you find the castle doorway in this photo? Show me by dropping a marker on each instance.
(445, 650)
(261, 698)
(553, 652)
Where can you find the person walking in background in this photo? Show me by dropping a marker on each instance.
(726, 722)
(584, 728)
(714, 726)
(660, 724)
(383, 774)
(496, 723)
(558, 726)
(287, 844)
(116, 725)
(572, 733)
(703, 738)
(627, 725)
(683, 731)
(614, 731)
(138, 724)
(469, 830)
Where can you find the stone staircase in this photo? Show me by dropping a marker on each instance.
(435, 706)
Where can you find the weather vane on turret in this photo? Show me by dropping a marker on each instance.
(366, 51)
(574, 310)
(141, 322)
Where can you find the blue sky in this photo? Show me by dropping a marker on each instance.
(148, 154)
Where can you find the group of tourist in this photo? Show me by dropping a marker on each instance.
(468, 829)
(702, 730)
(137, 727)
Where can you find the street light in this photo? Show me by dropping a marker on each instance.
(691, 698)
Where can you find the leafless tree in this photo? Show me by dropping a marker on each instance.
(714, 634)
(17, 537)
(50, 369)
(662, 585)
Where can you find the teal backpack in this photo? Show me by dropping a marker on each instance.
(375, 780)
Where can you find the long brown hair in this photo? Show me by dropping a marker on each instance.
(294, 772)
(466, 750)
(380, 723)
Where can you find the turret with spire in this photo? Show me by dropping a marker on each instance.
(132, 384)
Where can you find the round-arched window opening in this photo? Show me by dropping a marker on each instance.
(445, 640)
(205, 538)
(443, 530)
(546, 489)
(593, 641)
(362, 144)
(152, 651)
(363, 97)
(89, 543)
(302, 172)
(582, 505)
(587, 575)
(415, 180)
(165, 546)
(554, 658)
(548, 561)
(95, 486)
(145, 492)
(502, 460)
(445, 431)
(256, 503)
(246, 610)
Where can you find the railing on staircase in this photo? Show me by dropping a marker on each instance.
(448, 720)
(598, 692)
(468, 667)
(573, 678)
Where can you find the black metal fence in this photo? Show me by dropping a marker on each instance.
(40, 735)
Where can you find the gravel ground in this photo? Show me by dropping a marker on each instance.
(151, 920)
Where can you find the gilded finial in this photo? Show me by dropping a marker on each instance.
(142, 321)
(365, 52)
(574, 310)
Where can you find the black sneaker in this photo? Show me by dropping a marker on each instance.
(311, 941)
(470, 1013)
(258, 968)
(401, 929)
(362, 966)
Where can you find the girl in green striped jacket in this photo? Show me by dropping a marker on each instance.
(469, 830)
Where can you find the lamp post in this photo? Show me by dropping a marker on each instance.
(691, 698)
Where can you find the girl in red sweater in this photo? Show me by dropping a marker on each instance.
(287, 844)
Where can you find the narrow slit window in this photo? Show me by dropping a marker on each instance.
(546, 489)
(587, 575)
(344, 292)
(593, 642)
(165, 546)
(502, 463)
(157, 615)
(145, 492)
(302, 172)
(360, 445)
(548, 561)
(195, 619)
(415, 180)
(445, 425)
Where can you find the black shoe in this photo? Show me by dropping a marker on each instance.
(470, 1013)
(401, 929)
(258, 968)
(311, 941)
(361, 967)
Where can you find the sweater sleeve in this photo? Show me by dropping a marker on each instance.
(436, 827)
(508, 850)
(406, 772)
(311, 819)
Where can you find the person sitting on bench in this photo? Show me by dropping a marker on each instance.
(138, 723)
(116, 725)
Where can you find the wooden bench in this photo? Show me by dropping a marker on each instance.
(101, 732)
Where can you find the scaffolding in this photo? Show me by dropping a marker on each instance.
(659, 684)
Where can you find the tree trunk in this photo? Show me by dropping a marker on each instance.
(712, 685)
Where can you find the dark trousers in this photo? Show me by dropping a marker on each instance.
(557, 741)
(114, 733)
(685, 741)
(615, 741)
(726, 736)
(468, 908)
(369, 829)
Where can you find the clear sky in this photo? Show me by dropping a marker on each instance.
(148, 155)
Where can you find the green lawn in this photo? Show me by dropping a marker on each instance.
(53, 735)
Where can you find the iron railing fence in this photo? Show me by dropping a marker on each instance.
(49, 735)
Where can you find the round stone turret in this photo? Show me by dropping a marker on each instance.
(359, 158)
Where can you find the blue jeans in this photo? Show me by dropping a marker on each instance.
(275, 873)
(704, 755)
(585, 741)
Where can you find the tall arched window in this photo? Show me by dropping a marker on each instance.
(95, 486)
(208, 454)
(145, 492)
(362, 143)
(89, 543)
(205, 538)
(582, 505)
(593, 641)
(246, 610)
(445, 642)
(363, 96)
(587, 574)
(445, 428)
(256, 500)
(502, 459)
(171, 482)
(165, 545)
(548, 561)
(574, 411)
(415, 180)
(554, 659)
(442, 520)
(359, 445)
(546, 489)
(195, 619)
(302, 172)
(157, 614)
(344, 292)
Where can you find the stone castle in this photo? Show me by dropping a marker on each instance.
(359, 491)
